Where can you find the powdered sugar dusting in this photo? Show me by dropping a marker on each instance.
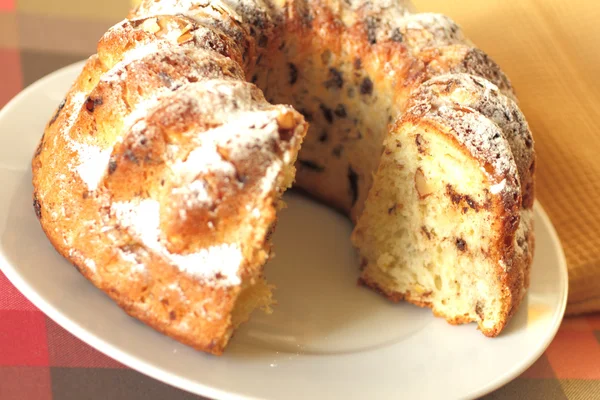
(117, 71)
(202, 159)
(244, 135)
(219, 263)
(189, 8)
(77, 100)
(87, 262)
(195, 194)
(93, 161)
(484, 99)
(141, 110)
(424, 30)
(481, 136)
(136, 266)
(90, 264)
(270, 178)
(497, 188)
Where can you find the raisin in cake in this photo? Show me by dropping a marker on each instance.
(161, 173)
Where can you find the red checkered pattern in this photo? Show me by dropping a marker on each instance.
(10, 66)
(38, 357)
(7, 5)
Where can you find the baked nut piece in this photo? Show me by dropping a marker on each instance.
(161, 173)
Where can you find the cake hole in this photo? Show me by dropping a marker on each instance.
(438, 282)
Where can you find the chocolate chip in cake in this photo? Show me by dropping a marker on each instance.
(327, 113)
(166, 79)
(37, 206)
(307, 115)
(461, 244)
(353, 134)
(426, 232)
(241, 178)
(340, 111)
(421, 144)
(353, 181)
(263, 40)
(285, 134)
(476, 81)
(357, 63)
(130, 155)
(335, 79)
(366, 86)
(91, 104)
(397, 36)
(337, 151)
(457, 198)
(471, 203)
(112, 167)
(311, 165)
(371, 25)
(58, 110)
(293, 73)
(307, 18)
(323, 137)
(172, 315)
(479, 310)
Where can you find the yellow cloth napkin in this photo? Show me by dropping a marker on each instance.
(550, 49)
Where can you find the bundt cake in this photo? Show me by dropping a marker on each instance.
(161, 173)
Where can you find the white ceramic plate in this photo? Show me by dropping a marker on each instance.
(327, 338)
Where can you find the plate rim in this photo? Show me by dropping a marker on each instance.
(559, 316)
(196, 387)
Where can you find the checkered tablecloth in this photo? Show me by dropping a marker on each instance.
(39, 360)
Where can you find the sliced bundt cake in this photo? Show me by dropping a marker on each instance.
(161, 174)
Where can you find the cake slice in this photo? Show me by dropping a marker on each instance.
(445, 224)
